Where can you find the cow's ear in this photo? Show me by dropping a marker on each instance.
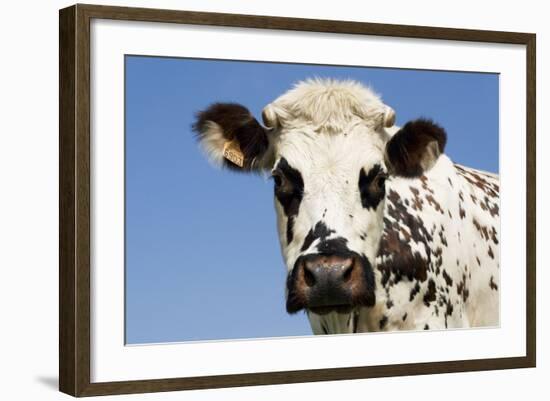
(231, 136)
(415, 148)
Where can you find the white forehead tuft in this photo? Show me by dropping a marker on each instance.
(328, 105)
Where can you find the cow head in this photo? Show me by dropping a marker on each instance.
(330, 147)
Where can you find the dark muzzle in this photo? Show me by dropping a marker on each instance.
(321, 282)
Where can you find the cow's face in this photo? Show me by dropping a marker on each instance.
(330, 150)
(329, 196)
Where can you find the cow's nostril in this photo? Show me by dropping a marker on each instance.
(309, 275)
(347, 270)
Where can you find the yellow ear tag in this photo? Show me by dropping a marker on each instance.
(232, 152)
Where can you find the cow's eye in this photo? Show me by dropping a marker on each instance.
(380, 181)
(277, 179)
(283, 184)
(288, 181)
(372, 186)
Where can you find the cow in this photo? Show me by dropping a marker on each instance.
(378, 228)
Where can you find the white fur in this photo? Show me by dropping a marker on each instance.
(212, 143)
(327, 105)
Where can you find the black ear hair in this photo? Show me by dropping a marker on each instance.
(415, 148)
(225, 123)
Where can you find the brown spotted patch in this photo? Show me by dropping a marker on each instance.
(415, 290)
(462, 289)
(490, 206)
(383, 322)
(429, 296)
(433, 203)
(492, 284)
(447, 278)
(417, 200)
(494, 235)
(425, 186)
(478, 180)
(448, 311)
(405, 233)
(442, 237)
(437, 260)
(397, 258)
(486, 233)
(483, 231)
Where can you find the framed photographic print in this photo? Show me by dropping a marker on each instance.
(251, 200)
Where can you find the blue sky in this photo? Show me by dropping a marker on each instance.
(202, 253)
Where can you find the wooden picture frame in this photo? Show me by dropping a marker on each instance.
(74, 204)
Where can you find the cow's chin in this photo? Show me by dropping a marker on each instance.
(325, 310)
(338, 319)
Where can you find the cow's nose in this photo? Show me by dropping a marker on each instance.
(329, 278)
